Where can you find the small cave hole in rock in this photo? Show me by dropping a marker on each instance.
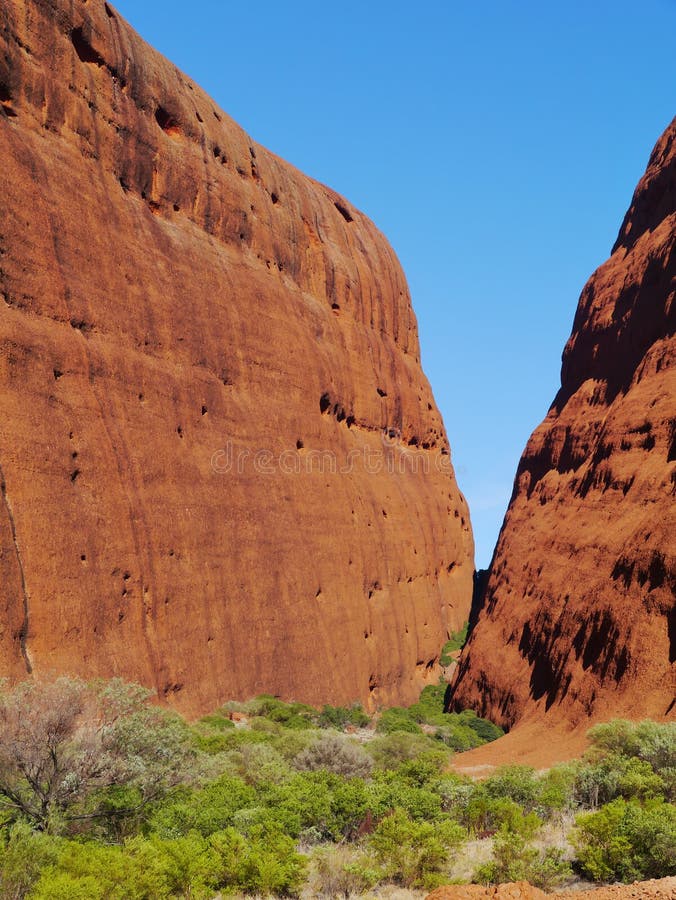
(199, 117)
(217, 151)
(350, 421)
(216, 116)
(74, 454)
(166, 121)
(299, 444)
(83, 557)
(274, 198)
(335, 306)
(109, 12)
(179, 432)
(74, 475)
(381, 392)
(9, 112)
(5, 96)
(324, 403)
(343, 211)
(177, 208)
(204, 410)
(57, 374)
(84, 49)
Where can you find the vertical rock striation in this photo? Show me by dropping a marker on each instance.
(578, 617)
(223, 471)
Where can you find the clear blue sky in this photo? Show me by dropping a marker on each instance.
(496, 144)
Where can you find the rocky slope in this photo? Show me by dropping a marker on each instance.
(223, 471)
(657, 889)
(578, 618)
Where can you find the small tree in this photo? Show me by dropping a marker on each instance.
(67, 748)
(412, 852)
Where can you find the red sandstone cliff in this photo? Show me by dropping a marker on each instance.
(579, 616)
(222, 468)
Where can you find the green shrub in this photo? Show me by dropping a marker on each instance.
(455, 642)
(290, 715)
(397, 719)
(517, 783)
(409, 851)
(485, 730)
(340, 717)
(390, 750)
(24, 853)
(389, 790)
(514, 859)
(205, 810)
(430, 705)
(627, 841)
(458, 737)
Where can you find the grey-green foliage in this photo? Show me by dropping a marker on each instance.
(65, 745)
(337, 754)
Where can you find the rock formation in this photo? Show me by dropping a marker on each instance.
(223, 471)
(578, 617)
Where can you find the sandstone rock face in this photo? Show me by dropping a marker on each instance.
(223, 471)
(578, 618)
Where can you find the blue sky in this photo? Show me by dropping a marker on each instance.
(497, 145)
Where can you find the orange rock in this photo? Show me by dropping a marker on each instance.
(657, 889)
(578, 616)
(223, 469)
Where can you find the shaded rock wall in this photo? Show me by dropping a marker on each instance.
(223, 470)
(579, 615)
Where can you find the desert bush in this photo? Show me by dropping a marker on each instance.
(24, 853)
(263, 763)
(556, 790)
(515, 859)
(290, 715)
(517, 783)
(63, 743)
(397, 719)
(336, 754)
(456, 793)
(390, 790)
(341, 716)
(485, 730)
(455, 642)
(390, 750)
(627, 841)
(425, 769)
(409, 851)
(266, 863)
(204, 810)
(458, 737)
(340, 871)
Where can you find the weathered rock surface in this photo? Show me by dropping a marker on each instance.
(656, 889)
(578, 618)
(223, 471)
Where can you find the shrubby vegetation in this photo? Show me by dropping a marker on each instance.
(103, 796)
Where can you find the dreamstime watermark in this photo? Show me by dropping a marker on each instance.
(394, 458)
